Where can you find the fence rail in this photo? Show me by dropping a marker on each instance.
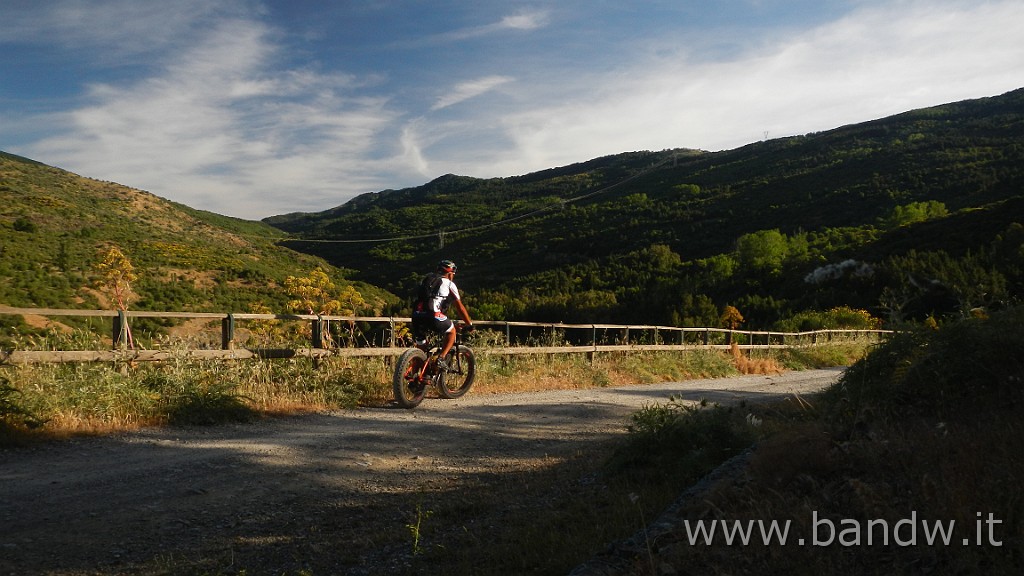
(645, 338)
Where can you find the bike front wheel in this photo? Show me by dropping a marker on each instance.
(456, 382)
(410, 379)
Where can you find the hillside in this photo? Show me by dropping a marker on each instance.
(54, 223)
(910, 216)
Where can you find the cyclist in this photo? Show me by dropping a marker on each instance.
(437, 292)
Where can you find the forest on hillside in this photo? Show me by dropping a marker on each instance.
(915, 217)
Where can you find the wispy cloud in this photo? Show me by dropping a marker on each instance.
(221, 128)
(470, 89)
(112, 30)
(522, 21)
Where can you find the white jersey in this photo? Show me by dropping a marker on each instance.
(446, 292)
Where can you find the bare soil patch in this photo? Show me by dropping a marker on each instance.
(326, 493)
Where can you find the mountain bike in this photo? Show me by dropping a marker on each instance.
(417, 369)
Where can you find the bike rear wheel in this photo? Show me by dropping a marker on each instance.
(410, 381)
(457, 381)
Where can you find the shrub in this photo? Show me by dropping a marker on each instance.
(960, 369)
(683, 440)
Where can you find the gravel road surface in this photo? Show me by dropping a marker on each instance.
(279, 494)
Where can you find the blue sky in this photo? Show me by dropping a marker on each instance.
(252, 108)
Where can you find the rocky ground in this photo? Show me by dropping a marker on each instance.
(278, 496)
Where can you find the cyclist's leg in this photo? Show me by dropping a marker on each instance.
(445, 328)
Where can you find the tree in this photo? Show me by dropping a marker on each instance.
(659, 258)
(731, 318)
(313, 294)
(915, 212)
(317, 294)
(115, 274)
(763, 251)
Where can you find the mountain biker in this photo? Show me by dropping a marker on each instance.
(437, 292)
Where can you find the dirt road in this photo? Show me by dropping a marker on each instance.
(281, 494)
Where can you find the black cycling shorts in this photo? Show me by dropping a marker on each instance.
(423, 322)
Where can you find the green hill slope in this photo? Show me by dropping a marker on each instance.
(921, 202)
(54, 223)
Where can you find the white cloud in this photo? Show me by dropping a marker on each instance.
(523, 21)
(470, 89)
(412, 153)
(112, 30)
(222, 130)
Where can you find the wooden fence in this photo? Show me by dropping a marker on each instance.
(572, 338)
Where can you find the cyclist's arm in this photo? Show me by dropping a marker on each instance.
(463, 312)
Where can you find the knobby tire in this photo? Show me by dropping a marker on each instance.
(457, 382)
(409, 382)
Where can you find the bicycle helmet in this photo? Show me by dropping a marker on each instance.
(447, 266)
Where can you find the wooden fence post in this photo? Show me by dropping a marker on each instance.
(593, 342)
(227, 332)
(120, 331)
(319, 331)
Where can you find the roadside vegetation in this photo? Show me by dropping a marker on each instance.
(924, 429)
(39, 401)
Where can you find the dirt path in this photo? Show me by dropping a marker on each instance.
(281, 494)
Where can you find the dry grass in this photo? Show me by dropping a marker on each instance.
(91, 399)
(750, 364)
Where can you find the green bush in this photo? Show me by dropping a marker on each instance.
(682, 440)
(959, 369)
